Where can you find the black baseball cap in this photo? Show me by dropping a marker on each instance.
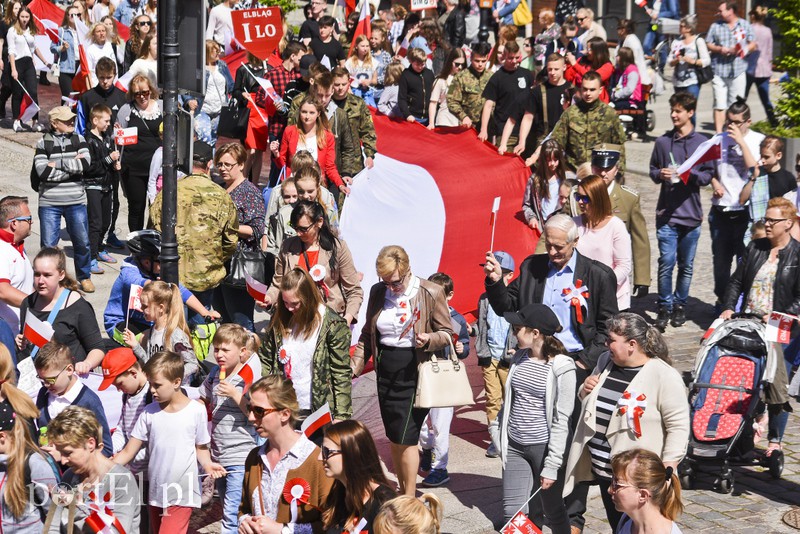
(536, 316)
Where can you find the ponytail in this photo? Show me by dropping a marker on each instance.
(409, 515)
(632, 326)
(671, 505)
(645, 470)
(655, 346)
(168, 295)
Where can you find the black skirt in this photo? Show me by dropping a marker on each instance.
(396, 370)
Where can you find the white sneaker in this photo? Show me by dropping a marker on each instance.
(38, 127)
(492, 451)
(17, 127)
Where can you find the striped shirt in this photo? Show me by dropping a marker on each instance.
(62, 184)
(611, 390)
(232, 436)
(527, 422)
(132, 408)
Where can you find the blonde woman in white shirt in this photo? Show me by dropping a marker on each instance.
(100, 47)
(21, 47)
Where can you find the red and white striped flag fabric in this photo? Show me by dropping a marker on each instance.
(82, 81)
(28, 108)
(255, 289)
(250, 371)
(124, 81)
(257, 133)
(640, 3)
(135, 298)
(364, 25)
(317, 420)
(37, 331)
(404, 47)
(710, 150)
(50, 28)
(495, 209)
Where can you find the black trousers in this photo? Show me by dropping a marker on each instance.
(98, 208)
(576, 501)
(65, 83)
(26, 75)
(114, 202)
(135, 187)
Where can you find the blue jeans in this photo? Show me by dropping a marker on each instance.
(235, 305)
(206, 298)
(727, 240)
(676, 243)
(762, 86)
(78, 230)
(230, 491)
(693, 90)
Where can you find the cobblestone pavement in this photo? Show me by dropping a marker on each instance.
(473, 497)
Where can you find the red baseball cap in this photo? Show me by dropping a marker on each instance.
(116, 362)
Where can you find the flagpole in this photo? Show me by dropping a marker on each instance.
(60, 40)
(520, 509)
(26, 92)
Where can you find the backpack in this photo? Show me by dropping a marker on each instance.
(49, 145)
(28, 481)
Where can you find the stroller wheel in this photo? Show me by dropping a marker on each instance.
(687, 481)
(775, 464)
(651, 120)
(724, 485)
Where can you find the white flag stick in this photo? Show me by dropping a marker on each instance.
(520, 508)
(495, 209)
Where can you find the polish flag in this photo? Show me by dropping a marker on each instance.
(414, 180)
(404, 47)
(521, 524)
(255, 289)
(250, 371)
(710, 150)
(495, 209)
(257, 133)
(718, 321)
(779, 327)
(317, 420)
(36, 331)
(124, 81)
(82, 81)
(740, 35)
(268, 88)
(135, 298)
(364, 25)
(640, 3)
(50, 28)
(28, 108)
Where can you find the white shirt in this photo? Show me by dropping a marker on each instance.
(20, 46)
(93, 54)
(15, 268)
(309, 144)
(58, 403)
(395, 315)
(148, 67)
(171, 440)
(731, 181)
(220, 24)
(300, 352)
(215, 96)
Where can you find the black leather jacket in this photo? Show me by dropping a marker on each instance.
(455, 28)
(786, 293)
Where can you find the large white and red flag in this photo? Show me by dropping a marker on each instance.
(36, 331)
(364, 25)
(710, 150)
(82, 81)
(429, 192)
(27, 108)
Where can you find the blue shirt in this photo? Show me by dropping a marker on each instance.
(554, 287)
(496, 334)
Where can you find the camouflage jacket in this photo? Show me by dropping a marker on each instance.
(206, 231)
(579, 131)
(330, 368)
(361, 125)
(464, 98)
(348, 153)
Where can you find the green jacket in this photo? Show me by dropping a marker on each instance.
(348, 153)
(331, 372)
(465, 95)
(206, 230)
(579, 130)
(361, 125)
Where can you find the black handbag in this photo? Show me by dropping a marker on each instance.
(233, 120)
(244, 261)
(704, 74)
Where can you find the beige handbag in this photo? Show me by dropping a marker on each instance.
(443, 382)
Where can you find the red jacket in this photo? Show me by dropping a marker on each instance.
(574, 75)
(326, 155)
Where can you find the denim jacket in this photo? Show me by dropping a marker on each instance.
(226, 73)
(126, 12)
(66, 58)
(506, 10)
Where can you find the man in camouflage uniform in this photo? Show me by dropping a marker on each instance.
(588, 123)
(206, 230)
(358, 115)
(465, 96)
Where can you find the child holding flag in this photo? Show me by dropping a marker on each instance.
(225, 394)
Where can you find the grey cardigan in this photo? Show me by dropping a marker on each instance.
(482, 340)
(559, 402)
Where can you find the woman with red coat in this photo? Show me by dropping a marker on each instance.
(310, 133)
(596, 58)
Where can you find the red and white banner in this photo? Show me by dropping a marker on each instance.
(364, 25)
(258, 30)
(710, 150)
(135, 298)
(317, 420)
(640, 3)
(779, 327)
(126, 136)
(82, 81)
(404, 47)
(255, 289)
(50, 28)
(37, 331)
(257, 133)
(428, 192)
(521, 524)
(124, 81)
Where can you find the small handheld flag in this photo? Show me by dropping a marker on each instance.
(493, 222)
(317, 420)
(37, 331)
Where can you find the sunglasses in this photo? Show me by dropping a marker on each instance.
(327, 453)
(394, 284)
(616, 485)
(581, 19)
(141, 94)
(769, 221)
(51, 380)
(145, 23)
(459, 64)
(260, 412)
(582, 198)
(28, 220)
(302, 229)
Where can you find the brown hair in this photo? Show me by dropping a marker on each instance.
(135, 41)
(301, 159)
(53, 355)
(416, 55)
(10, 207)
(98, 110)
(549, 16)
(57, 255)
(550, 149)
(773, 143)
(142, 79)
(9, 12)
(167, 363)
(759, 14)
(362, 468)
(307, 317)
(280, 392)
(409, 515)
(74, 427)
(600, 55)
(31, 23)
(392, 258)
(632, 326)
(599, 202)
(393, 72)
(645, 470)
(64, 21)
(144, 51)
(322, 127)
(232, 333)
(624, 58)
(235, 149)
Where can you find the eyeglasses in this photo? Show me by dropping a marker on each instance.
(582, 198)
(737, 123)
(51, 380)
(141, 94)
(28, 220)
(616, 485)
(260, 412)
(74, 15)
(302, 229)
(225, 165)
(145, 23)
(327, 453)
(394, 284)
(581, 19)
(769, 221)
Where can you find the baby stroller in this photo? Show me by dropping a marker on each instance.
(732, 368)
